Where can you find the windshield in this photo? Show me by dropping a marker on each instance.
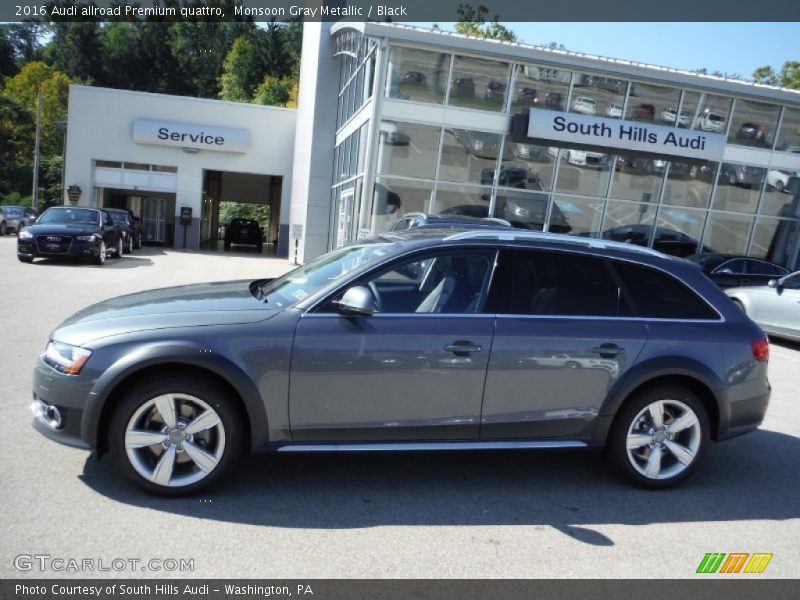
(12, 211)
(318, 274)
(120, 217)
(70, 216)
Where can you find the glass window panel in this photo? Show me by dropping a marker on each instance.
(596, 95)
(629, 222)
(726, 233)
(584, 172)
(753, 123)
(108, 164)
(527, 166)
(526, 211)
(576, 216)
(395, 197)
(540, 87)
(689, 184)
(417, 75)
(637, 178)
(789, 136)
(408, 149)
(479, 83)
(738, 187)
(469, 156)
(678, 231)
(164, 169)
(653, 103)
(454, 199)
(707, 112)
(135, 166)
(776, 200)
(774, 240)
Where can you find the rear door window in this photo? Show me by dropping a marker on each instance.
(657, 295)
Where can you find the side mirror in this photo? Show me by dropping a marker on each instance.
(357, 301)
(774, 283)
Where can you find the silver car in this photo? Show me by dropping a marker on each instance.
(775, 306)
(15, 218)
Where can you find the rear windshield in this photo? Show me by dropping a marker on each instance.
(244, 223)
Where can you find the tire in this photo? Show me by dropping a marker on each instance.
(218, 445)
(137, 242)
(778, 186)
(119, 249)
(102, 254)
(739, 305)
(635, 423)
(25, 259)
(3, 228)
(128, 249)
(572, 365)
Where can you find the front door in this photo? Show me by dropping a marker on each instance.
(414, 370)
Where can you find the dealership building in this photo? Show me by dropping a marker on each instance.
(394, 119)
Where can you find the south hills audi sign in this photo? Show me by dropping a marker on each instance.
(193, 137)
(637, 136)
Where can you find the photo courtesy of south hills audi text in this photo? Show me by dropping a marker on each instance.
(161, 590)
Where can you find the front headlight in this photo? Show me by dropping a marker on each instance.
(24, 235)
(65, 358)
(87, 238)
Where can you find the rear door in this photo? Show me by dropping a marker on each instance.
(561, 341)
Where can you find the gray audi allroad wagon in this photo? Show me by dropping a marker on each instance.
(421, 340)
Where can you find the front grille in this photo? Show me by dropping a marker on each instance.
(53, 244)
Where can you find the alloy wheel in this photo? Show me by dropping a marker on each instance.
(101, 254)
(174, 440)
(663, 439)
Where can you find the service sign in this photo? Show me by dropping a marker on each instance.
(195, 137)
(636, 136)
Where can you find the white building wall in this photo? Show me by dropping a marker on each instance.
(99, 127)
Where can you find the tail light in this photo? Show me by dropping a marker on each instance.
(760, 349)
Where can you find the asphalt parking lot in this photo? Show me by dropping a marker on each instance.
(472, 515)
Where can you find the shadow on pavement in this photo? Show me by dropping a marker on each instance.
(754, 477)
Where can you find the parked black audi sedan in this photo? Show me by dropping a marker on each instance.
(63, 231)
(131, 230)
(732, 270)
(244, 231)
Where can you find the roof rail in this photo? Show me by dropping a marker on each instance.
(551, 237)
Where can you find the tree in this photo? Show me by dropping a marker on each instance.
(765, 75)
(16, 131)
(8, 65)
(472, 22)
(76, 50)
(240, 74)
(790, 75)
(274, 91)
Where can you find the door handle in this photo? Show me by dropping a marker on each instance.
(463, 348)
(608, 350)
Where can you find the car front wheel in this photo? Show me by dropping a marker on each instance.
(175, 436)
(100, 257)
(660, 437)
(118, 249)
(128, 245)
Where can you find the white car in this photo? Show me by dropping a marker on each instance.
(711, 121)
(614, 111)
(584, 105)
(778, 179)
(668, 115)
(585, 158)
(775, 306)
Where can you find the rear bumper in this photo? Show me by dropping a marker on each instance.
(746, 415)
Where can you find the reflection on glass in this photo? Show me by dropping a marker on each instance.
(689, 184)
(526, 166)
(726, 233)
(789, 135)
(479, 83)
(581, 215)
(629, 222)
(408, 149)
(753, 123)
(738, 187)
(709, 112)
(395, 197)
(417, 75)
(469, 156)
(461, 200)
(527, 211)
(584, 172)
(539, 87)
(777, 200)
(637, 178)
(678, 231)
(596, 95)
(775, 240)
(647, 102)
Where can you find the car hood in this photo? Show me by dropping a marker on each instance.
(62, 229)
(223, 303)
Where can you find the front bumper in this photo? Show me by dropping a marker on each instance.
(58, 405)
(78, 248)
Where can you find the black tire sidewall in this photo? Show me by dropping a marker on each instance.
(622, 422)
(205, 389)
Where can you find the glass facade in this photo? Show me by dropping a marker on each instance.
(679, 206)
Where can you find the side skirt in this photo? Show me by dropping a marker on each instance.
(421, 446)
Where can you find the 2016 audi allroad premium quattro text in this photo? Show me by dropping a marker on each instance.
(420, 340)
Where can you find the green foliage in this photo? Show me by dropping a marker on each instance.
(765, 75)
(240, 72)
(788, 77)
(8, 64)
(274, 91)
(472, 21)
(16, 152)
(76, 49)
(239, 210)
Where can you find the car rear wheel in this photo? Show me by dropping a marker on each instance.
(175, 436)
(118, 250)
(128, 245)
(659, 437)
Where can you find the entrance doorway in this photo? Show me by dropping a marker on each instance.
(154, 209)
